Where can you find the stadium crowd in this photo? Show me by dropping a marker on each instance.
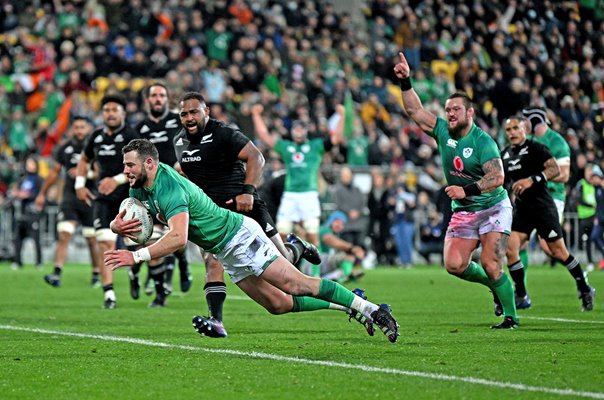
(300, 59)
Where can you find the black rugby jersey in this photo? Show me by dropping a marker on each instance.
(68, 156)
(161, 134)
(210, 159)
(107, 151)
(523, 161)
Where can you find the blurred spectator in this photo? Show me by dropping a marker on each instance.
(340, 260)
(584, 194)
(378, 228)
(352, 202)
(18, 135)
(403, 226)
(431, 237)
(597, 234)
(27, 216)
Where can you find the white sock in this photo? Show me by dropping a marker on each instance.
(363, 306)
(334, 306)
(110, 294)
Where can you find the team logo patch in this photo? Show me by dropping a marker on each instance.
(467, 152)
(458, 163)
(298, 158)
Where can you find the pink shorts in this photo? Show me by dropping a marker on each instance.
(472, 224)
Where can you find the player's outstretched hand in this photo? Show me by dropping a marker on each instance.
(402, 70)
(115, 259)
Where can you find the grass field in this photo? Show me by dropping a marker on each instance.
(60, 343)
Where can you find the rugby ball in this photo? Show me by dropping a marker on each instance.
(135, 209)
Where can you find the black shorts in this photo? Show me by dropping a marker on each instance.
(104, 211)
(545, 220)
(76, 210)
(259, 214)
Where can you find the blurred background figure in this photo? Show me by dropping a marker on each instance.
(351, 201)
(27, 216)
(431, 238)
(341, 260)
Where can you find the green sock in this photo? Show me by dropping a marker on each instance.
(504, 289)
(346, 266)
(306, 303)
(334, 292)
(525, 262)
(475, 273)
(315, 270)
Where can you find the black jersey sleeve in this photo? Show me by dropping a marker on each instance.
(236, 141)
(541, 153)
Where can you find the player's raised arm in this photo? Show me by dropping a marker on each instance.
(260, 128)
(413, 105)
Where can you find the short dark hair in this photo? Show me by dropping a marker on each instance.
(193, 96)
(467, 100)
(81, 118)
(147, 90)
(143, 147)
(114, 98)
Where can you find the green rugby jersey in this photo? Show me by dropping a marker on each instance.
(560, 149)
(462, 162)
(302, 162)
(210, 226)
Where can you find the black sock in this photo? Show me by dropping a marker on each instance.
(574, 267)
(169, 263)
(169, 273)
(135, 269)
(517, 274)
(215, 296)
(58, 270)
(157, 274)
(96, 276)
(183, 263)
(296, 252)
(108, 287)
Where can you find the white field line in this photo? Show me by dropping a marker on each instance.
(331, 364)
(573, 321)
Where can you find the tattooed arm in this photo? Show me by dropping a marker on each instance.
(551, 169)
(493, 175)
(492, 179)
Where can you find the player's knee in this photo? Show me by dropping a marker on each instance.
(312, 225)
(285, 226)
(66, 227)
(105, 235)
(455, 266)
(89, 232)
(279, 306)
(559, 252)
